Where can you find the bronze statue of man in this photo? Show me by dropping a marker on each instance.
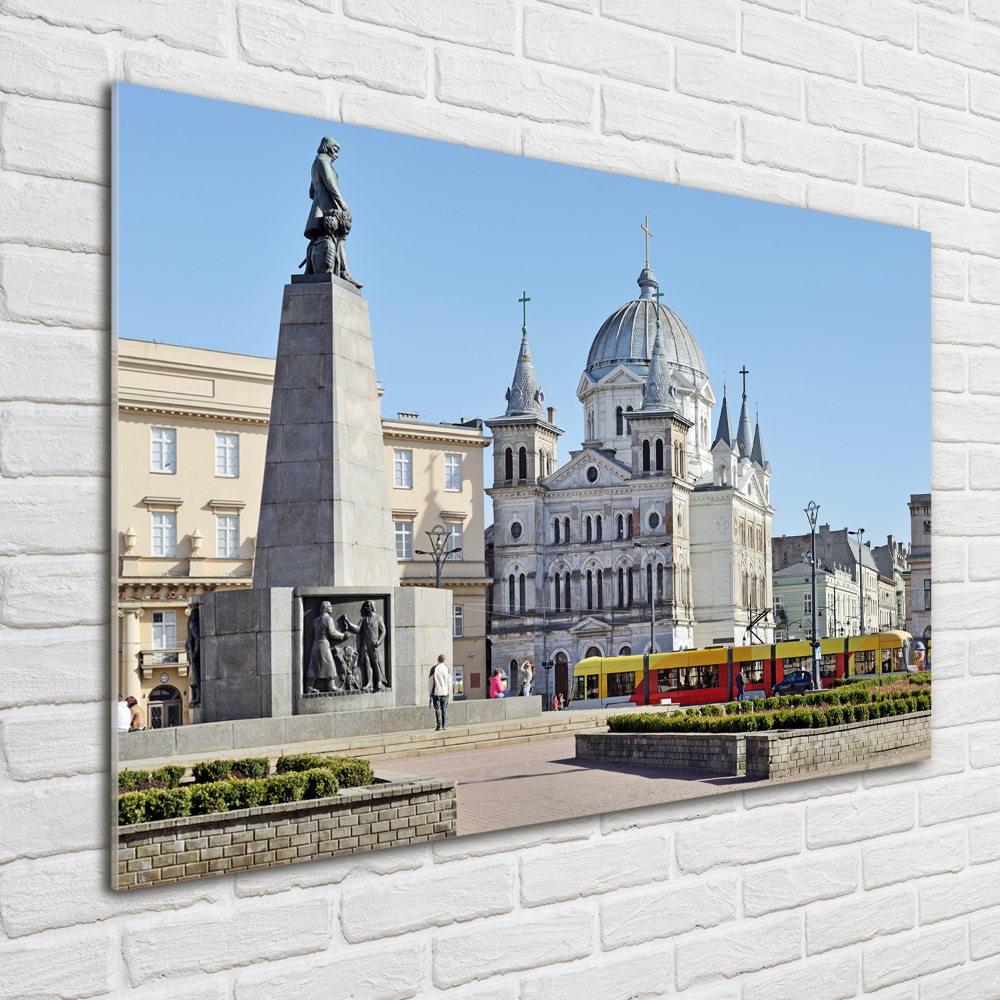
(322, 674)
(370, 631)
(329, 219)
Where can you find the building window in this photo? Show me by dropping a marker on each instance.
(590, 590)
(522, 463)
(630, 531)
(600, 590)
(511, 606)
(628, 423)
(402, 469)
(631, 586)
(508, 465)
(457, 621)
(555, 531)
(619, 422)
(515, 530)
(453, 473)
(645, 456)
(649, 583)
(557, 582)
(779, 603)
(659, 580)
(566, 581)
(521, 593)
(659, 455)
(589, 529)
(227, 455)
(453, 542)
(227, 536)
(600, 527)
(621, 526)
(927, 595)
(458, 683)
(807, 604)
(164, 633)
(404, 540)
(164, 450)
(621, 588)
(164, 535)
(566, 531)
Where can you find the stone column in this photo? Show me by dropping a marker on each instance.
(132, 682)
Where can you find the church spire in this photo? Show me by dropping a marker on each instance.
(724, 432)
(524, 395)
(757, 455)
(743, 441)
(655, 390)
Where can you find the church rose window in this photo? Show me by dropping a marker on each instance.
(515, 530)
(654, 520)
(592, 474)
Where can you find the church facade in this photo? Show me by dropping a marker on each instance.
(653, 527)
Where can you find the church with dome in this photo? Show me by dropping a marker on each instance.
(652, 507)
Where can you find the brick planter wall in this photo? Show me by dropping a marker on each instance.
(358, 819)
(762, 755)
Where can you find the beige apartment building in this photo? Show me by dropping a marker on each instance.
(192, 434)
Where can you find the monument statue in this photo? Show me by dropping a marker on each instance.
(322, 673)
(370, 631)
(193, 647)
(329, 218)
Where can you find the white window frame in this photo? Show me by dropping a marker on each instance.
(165, 630)
(227, 456)
(453, 473)
(453, 531)
(404, 540)
(457, 621)
(163, 451)
(227, 525)
(164, 535)
(458, 682)
(402, 469)
(807, 604)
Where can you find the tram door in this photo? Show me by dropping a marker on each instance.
(562, 677)
(164, 707)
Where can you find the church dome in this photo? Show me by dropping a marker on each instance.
(627, 335)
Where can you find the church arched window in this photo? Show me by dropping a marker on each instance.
(522, 464)
(590, 426)
(589, 529)
(621, 526)
(508, 463)
(556, 581)
(510, 594)
(659, 455)
(555, 531)
(590, 590)
(566, 592)
(722, 475)
(631, 586)
(659, 581)
(645, 456)
(566, 534)
(541, 462)
(628, 423)
(621, 588)
(521, 592)
(631, 534)
(600, 589)
(619, 422)
(600, 527)
(649, 582)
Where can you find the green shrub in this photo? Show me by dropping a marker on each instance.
(289, 787)
(732, 707)
(132, 808)
(251, 767)
(321, 783)
(218, 770)
(246, 793)
(170, 775)
(834, 716)
(167, 803)
(299, 762)
(210, 797)
(127, 781)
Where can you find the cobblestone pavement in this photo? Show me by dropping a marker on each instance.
(543, 781)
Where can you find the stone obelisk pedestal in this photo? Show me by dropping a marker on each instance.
(325, 529)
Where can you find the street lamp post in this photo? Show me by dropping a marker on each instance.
(438, 551)
(812, 512)
(649, 551)
(861, 576)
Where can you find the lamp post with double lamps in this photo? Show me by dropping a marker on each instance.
(812, 512)
(438, 551)
(861, 575)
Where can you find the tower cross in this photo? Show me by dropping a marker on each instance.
(645, 228)
(524, 300)
(744, 371)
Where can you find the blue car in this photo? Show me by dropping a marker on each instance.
(797, 682)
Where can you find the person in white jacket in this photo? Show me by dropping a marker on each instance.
(439, 688)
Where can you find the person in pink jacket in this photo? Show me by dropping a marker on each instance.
(498, 685)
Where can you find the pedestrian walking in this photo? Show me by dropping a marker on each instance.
(124, 715)
(741, 683)
(498, 686)
(137, 715)
(527, 676)
(439, 688)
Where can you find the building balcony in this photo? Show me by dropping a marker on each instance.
(151, 659)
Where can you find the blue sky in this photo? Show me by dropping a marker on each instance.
(830, 315)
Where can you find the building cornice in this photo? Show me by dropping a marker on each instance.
(402, 430)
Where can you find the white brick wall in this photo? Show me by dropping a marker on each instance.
(885, 884)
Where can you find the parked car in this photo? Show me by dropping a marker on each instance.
(797, 682)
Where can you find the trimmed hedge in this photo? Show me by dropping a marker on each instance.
(217, 770)
(350, 772)
(222, 796)
(163, 777)
(788, 712)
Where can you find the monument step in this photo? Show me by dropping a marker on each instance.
(417, 742)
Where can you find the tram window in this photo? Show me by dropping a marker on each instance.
(621, 684)
(754, 671)
(593, 686)
(864, 661)
(687, 678)
(793, 663)
(579, 688)
(828, 665)
(887, 665)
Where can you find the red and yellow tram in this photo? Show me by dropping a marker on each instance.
(699, 676)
